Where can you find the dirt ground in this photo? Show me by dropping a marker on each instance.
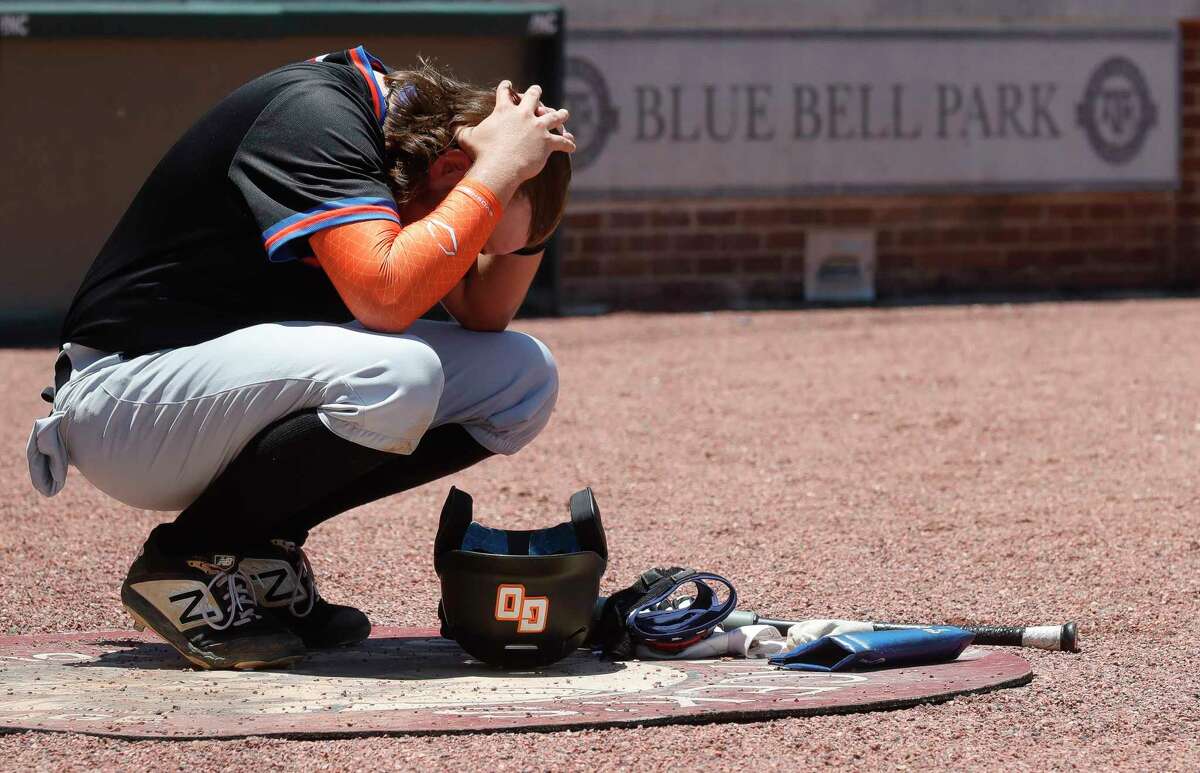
(1031, 463)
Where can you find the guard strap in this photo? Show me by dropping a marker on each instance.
(640, 613)
(652, 621)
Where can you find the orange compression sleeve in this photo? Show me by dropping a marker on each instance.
(389, 276)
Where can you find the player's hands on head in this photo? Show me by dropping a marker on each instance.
(517, 138)
(542, 110)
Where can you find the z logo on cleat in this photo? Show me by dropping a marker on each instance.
(273, 594)
(189, 615)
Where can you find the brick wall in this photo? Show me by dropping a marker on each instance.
(747, 253)
(1187, 200)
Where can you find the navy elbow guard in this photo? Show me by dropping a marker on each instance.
(519, 599)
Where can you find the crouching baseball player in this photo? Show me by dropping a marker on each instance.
(246, 348)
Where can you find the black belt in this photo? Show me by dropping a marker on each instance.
(62, 370)
(62, 374)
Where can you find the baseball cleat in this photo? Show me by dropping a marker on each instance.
(284, 587)
(204, 607)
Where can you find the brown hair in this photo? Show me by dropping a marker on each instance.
(426, 105)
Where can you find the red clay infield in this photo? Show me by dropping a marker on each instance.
(998, 464)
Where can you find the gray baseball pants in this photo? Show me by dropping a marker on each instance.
(154, 430)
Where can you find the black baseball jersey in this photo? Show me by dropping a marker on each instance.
(211, 242)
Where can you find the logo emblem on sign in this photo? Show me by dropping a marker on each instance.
(593, 116)
(1116, 112)
(528, 612)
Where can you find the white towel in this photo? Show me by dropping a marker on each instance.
(751, 641)
(811, 630)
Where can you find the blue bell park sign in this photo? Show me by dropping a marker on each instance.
(785, 112)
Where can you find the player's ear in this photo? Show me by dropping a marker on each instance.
(448, 169)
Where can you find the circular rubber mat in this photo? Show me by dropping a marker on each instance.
(406, 680)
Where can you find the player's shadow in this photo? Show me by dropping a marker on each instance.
(394, 658)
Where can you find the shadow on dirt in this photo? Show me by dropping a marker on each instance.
(397, 658)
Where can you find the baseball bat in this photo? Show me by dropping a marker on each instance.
(1059, 638)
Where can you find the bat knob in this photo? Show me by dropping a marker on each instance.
(1070, 638)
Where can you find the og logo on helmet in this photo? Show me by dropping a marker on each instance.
(529, 612)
